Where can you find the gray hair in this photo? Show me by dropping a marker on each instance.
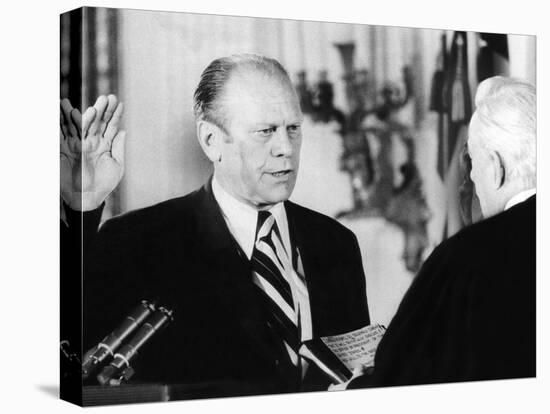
(206, 99)
(505, 121)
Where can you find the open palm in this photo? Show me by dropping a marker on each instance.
(92, 152)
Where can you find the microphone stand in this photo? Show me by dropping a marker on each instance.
(119, 369)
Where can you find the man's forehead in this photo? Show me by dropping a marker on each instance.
(260, 98)
(258, 84)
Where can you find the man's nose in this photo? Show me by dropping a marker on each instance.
(282, 144)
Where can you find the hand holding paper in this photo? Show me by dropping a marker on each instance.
(346, 356)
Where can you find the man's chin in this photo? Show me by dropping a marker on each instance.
(275, 196)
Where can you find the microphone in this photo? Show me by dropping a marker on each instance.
(119, 369)
(106, 348)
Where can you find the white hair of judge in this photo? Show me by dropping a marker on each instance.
(502, 141)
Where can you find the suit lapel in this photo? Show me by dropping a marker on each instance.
(231, 273)
(319, 269)
(303, 243)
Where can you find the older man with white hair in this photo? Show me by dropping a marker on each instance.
(470, 313)
(502, 144)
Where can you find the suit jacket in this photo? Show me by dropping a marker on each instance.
(182, 253)
(470, 313)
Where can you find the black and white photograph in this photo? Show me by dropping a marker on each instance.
(261, 206)
(283, 206)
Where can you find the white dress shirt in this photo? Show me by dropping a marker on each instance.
(242, 220)
(519, 198)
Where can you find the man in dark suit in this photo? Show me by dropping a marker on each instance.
(249, 274)
(470, 313)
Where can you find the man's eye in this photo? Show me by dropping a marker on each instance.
(266, 132)
(294, 129)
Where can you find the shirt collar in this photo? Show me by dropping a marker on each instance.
(520, 197)
(242, 218)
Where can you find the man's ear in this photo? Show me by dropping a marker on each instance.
(210, 139)
(497, 169)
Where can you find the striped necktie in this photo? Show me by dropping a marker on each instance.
(271, 270)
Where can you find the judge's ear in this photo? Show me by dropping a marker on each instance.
(210, 139)
(497, 170)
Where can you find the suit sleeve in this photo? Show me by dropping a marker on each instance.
(76, 231)
(110, 264)
(358, 298)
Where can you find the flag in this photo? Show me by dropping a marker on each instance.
(458, 96)
(451, 98)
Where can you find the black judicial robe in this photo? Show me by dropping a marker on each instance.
(470, 313)
(181, 253)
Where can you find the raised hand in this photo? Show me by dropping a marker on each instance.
(92, 152)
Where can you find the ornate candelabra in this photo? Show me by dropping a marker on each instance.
(372, 116)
